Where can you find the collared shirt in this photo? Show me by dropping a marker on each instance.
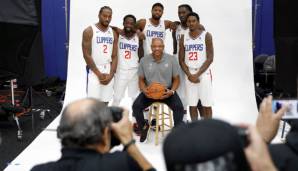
(162, 71)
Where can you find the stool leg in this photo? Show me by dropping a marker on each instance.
(162, 119)
(157, 124)
(151, 110)
(171, 118)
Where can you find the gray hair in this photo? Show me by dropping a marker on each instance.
(86, 127)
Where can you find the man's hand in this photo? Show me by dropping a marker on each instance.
(101, 77)
(146, 92)
(141, 35)
(267, 121)
(123, 128)
(108, 78)
(257, 153)
(174, 25)
(193, 78)
(166, 94)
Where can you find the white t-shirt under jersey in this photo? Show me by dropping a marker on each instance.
(128, 52)
(195, 50)
(153, 31)
(102, 45)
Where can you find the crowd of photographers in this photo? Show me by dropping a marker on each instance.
(88, 130)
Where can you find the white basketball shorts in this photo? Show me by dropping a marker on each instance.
(201, 90)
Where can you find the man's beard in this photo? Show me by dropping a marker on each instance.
(127, 30)
(156, 17)
(106, 24)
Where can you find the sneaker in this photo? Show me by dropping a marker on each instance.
(144, 133)
(153, 125)
(153, 122)
(185, 118)
(136, 129)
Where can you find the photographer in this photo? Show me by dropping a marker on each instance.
(86, 129)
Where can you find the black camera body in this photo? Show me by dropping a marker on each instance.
(117, 113)
(243, 134)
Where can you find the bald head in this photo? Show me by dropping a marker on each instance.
(82, 122)
(80, 108)
(157, 41)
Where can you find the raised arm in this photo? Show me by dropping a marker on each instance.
(209, 50)
(116, 29)
(170, 25)
(140, 25)
(268, 121)
(123, 130)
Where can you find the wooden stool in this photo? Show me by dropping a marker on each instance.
(157, 111)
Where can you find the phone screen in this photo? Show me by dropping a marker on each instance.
(292, 110)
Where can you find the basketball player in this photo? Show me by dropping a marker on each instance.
(182, 29)
(100, 53)
(129, 54)
(154, 27)
(195, 57)
(183, 11)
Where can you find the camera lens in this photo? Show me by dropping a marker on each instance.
(116, 113)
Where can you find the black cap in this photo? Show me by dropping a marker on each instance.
(204, 141)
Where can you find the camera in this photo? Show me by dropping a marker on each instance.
(117, 113)
(243, 134)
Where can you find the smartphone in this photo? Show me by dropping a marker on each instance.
(292, 109)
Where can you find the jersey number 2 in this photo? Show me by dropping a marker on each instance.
(105, 48)
(127, 54)
(193, 56)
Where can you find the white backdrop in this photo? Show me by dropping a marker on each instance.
(228, 21)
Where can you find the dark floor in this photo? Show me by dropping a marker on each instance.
(10, 146)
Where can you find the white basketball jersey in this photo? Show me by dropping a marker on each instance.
(102, 45)
(195, 50)
(152, 31)
(128, 52)
(180, 31)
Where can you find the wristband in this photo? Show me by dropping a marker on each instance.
(131, 142)
(173, 92)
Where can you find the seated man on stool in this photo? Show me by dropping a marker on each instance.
(157, 67)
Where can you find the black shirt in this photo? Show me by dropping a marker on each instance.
(87, 159)
(285, 156)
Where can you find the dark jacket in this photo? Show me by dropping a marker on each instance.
(285, 156)
(89, 160)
